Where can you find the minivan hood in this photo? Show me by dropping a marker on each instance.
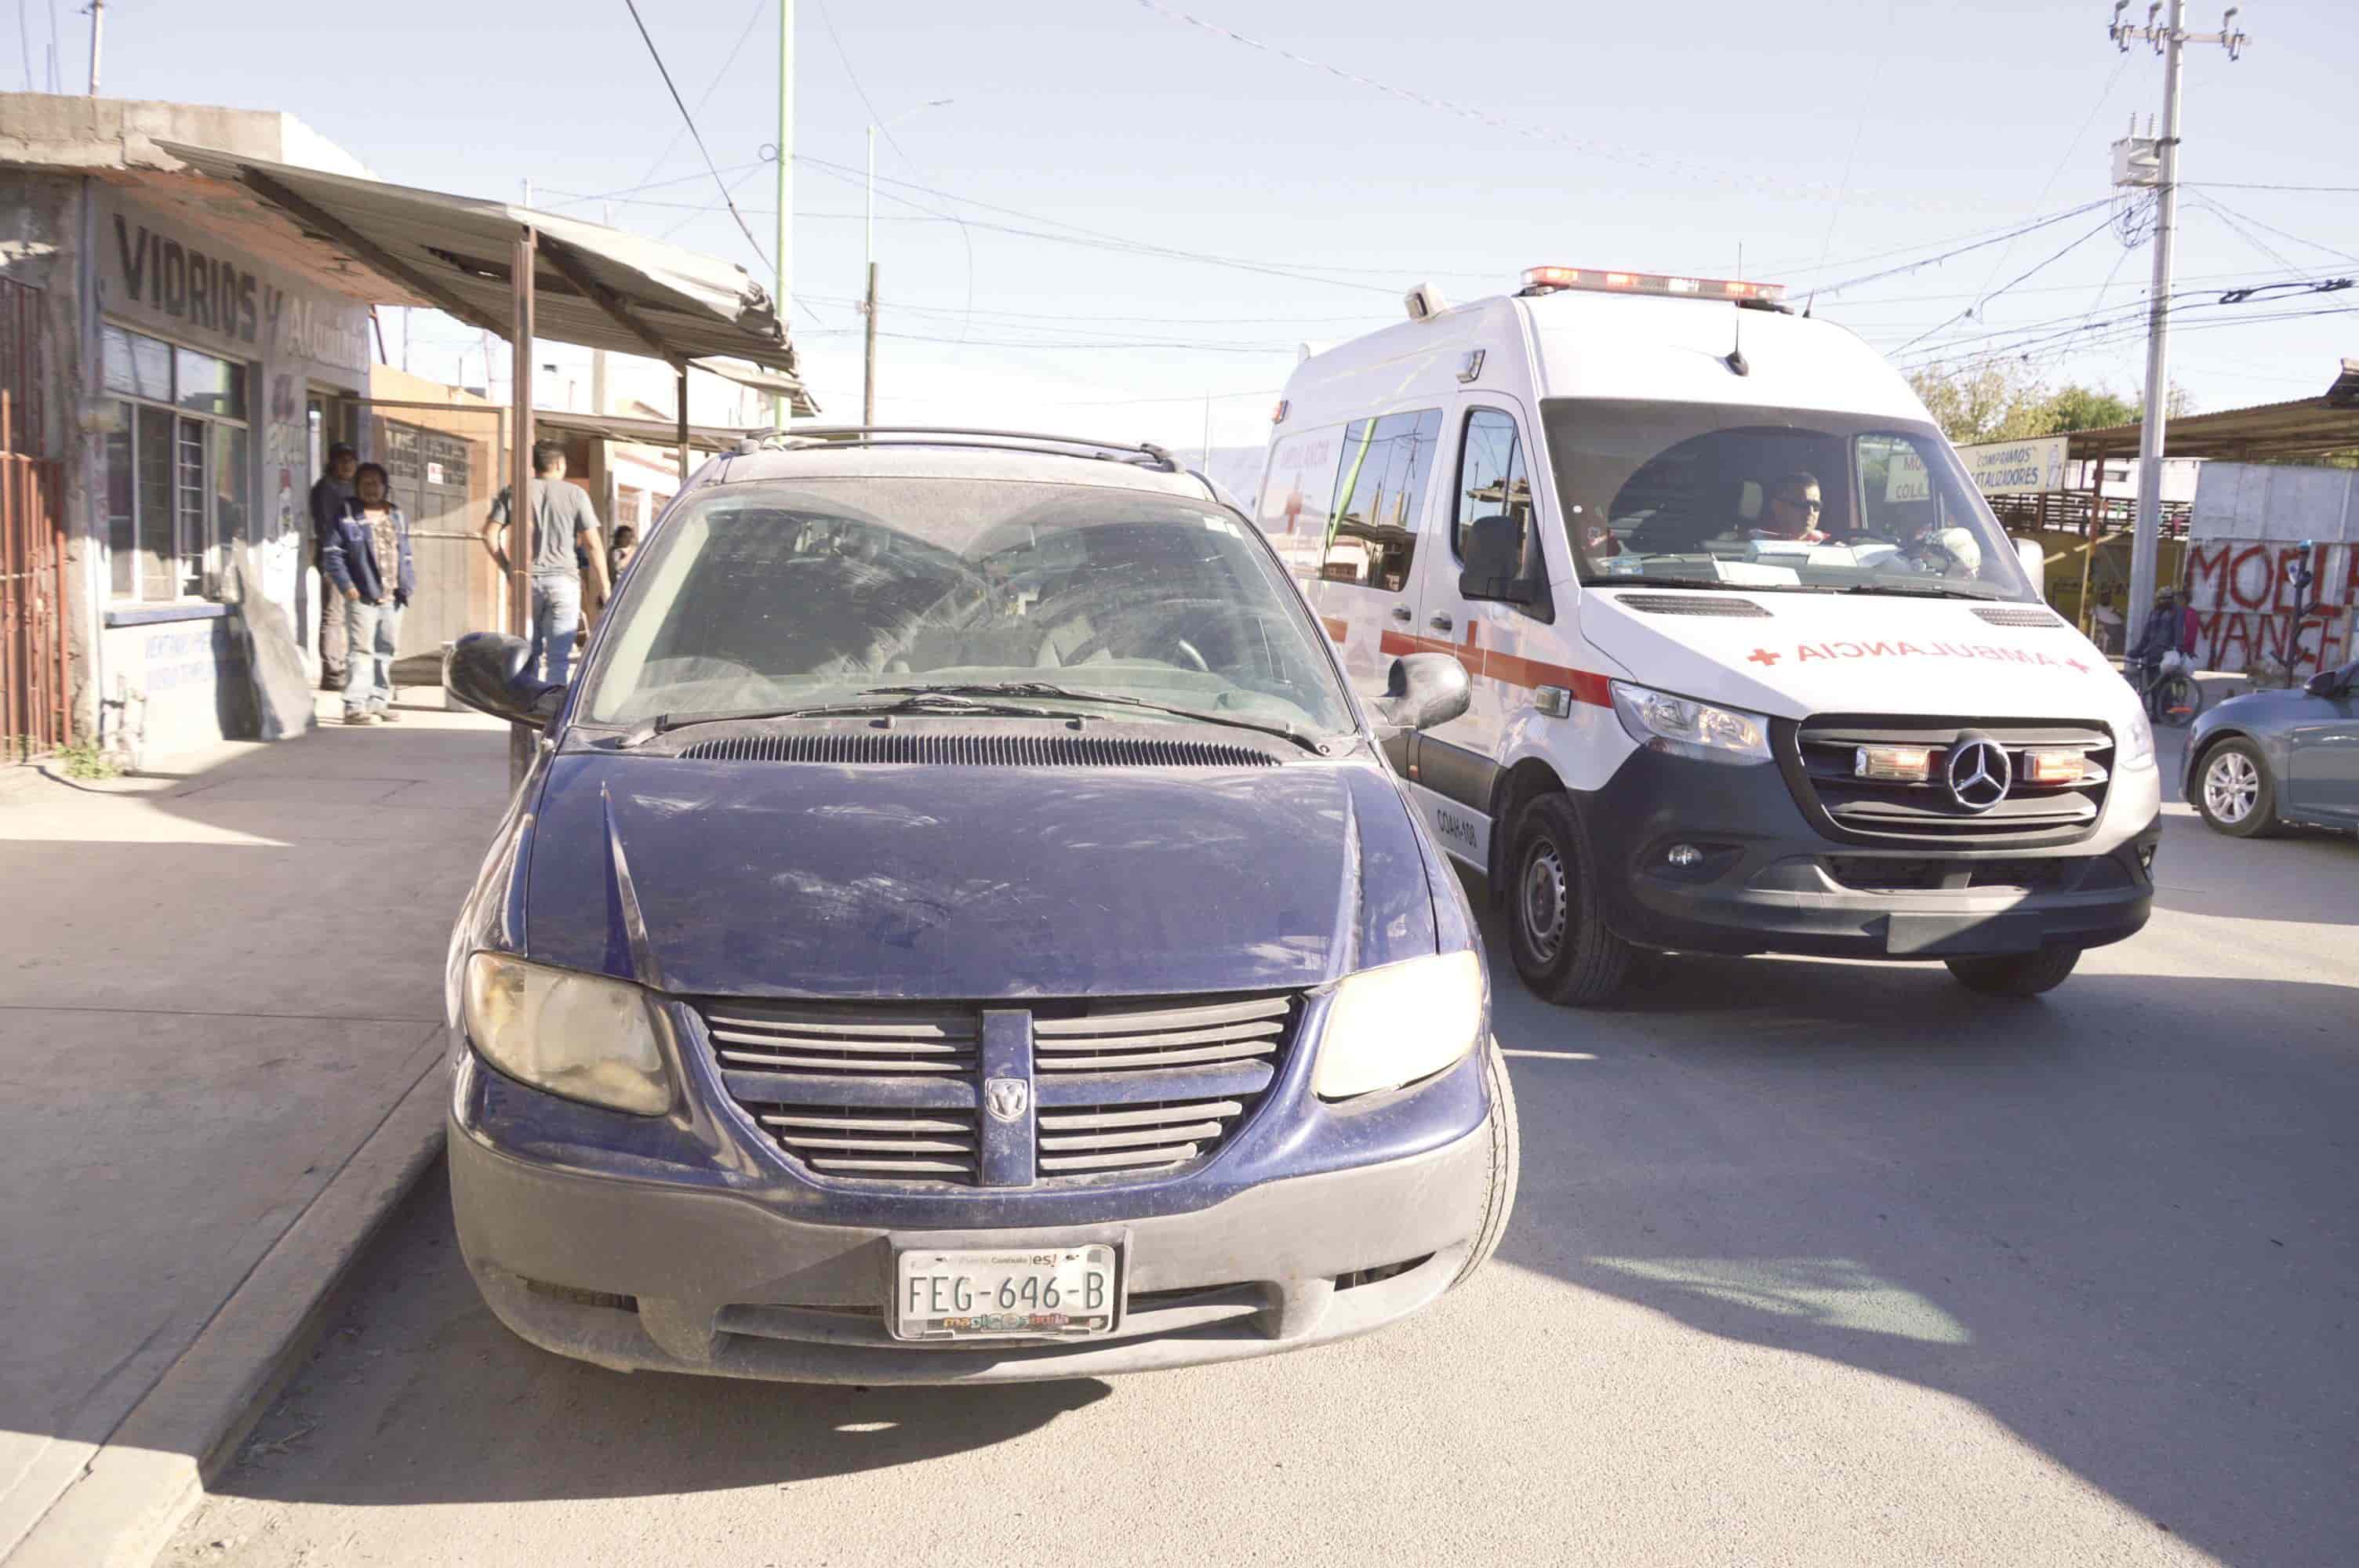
(789, 879)
(1857, 654)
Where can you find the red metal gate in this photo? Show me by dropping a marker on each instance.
(36, 714)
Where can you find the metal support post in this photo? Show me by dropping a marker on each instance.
(683, 426)
(521, 737)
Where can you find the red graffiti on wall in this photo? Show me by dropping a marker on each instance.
(2245, 597)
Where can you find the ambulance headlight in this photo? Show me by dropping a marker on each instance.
(1685, 728)
(2137, 743)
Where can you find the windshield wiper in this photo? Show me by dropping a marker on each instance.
(1914, 590)
(1283, 730)
(910, 699)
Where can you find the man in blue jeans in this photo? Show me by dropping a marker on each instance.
(563, 523)
(367, 557)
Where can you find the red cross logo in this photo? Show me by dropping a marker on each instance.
(1762, 657)
(2078, 665)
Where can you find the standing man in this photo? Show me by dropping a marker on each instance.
(368, 558)
(329, 497)
(563, 523)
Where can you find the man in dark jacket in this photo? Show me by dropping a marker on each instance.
(2170, 627)
(327, 497)
(367, 557)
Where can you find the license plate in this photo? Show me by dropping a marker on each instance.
(1065, 1292)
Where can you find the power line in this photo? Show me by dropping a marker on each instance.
(1971, 311)
(657, 55)
(736, 52)
(2224, 210)
(2029, 228)
(2239, 185)
(2121, 63)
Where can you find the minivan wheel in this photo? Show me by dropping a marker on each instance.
(1557, 933)
(1507, 1162)
(2015, 974)
(2233, 790)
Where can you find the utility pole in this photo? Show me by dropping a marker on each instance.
(781, 405)
(2145, 538)
(97, 24)
(869, 365)
(868, 243)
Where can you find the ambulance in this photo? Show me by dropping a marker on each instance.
(1755, 669)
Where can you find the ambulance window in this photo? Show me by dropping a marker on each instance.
(1491, 477)
(1371, 536)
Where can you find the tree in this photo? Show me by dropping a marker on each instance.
(1996, 401)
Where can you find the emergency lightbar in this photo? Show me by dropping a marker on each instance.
(1549, 279)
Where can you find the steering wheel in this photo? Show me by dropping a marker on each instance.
(1191, 657)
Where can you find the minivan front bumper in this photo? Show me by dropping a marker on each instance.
(1765, 880)
(590, 1252)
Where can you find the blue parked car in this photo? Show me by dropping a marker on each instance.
(960, 927)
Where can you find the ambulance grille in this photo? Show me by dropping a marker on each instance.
(1818, 759)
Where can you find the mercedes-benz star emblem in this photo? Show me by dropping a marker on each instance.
(1007, 1098)
(1979, 773)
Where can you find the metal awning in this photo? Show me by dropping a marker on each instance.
(593, 285)
(646, 432)
(2305, 428)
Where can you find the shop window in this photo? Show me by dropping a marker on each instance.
(179, 455)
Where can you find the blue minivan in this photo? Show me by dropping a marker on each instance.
(960, 927)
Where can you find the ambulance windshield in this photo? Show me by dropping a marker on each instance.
(1707, 496)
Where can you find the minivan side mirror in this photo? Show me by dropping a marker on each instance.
(1494, 558)
(2034, 560)
(1424, 690)
(493, 673)
(2325, 683)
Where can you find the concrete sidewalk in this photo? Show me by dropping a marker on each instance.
(220, 1036)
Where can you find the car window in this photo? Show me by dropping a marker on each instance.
(1492, 478)
(1372, 535)
(786, 593)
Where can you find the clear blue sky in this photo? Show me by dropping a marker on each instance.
(1649, 136)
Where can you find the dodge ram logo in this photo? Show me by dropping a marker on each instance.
(1979, 773)
(1007, 1098)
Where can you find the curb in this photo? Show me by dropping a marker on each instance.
(135, 1491)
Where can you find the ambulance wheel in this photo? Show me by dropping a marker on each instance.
(1556, 929)
(2016, 974)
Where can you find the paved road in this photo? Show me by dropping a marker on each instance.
(1814, 1263)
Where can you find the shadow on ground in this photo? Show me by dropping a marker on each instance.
(564, 1428)
(2117, 1220)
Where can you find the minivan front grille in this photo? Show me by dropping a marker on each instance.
(1820, 755)
(876, 1092)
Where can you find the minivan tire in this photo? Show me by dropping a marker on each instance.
(2016, 974)
(1507, 1162)
(1579, 962)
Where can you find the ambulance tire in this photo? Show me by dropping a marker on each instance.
(2015, 974)
(1556, 926)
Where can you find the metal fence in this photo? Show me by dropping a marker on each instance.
(36, 712)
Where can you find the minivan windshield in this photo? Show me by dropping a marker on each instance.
(777, 595)
(1705, 495)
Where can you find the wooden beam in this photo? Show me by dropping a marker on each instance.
(568, 262)
(368, 250)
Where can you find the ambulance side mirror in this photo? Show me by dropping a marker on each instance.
(1494, 562)
(1423, 690)
(2034, 561)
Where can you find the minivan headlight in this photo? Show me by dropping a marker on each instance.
(1397, 1024)
(583, 1036)
(2137, 743)
(1686, 728)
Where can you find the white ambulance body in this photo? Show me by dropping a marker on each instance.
(1708, 717)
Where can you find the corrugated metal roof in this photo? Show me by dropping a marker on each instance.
(2306, 427)
(593, 285)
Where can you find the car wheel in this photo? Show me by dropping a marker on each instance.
(1506, 1163)
(1557, 932)
(2015, 974)
(2233, 790)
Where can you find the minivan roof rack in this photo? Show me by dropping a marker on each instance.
(1143, 453)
